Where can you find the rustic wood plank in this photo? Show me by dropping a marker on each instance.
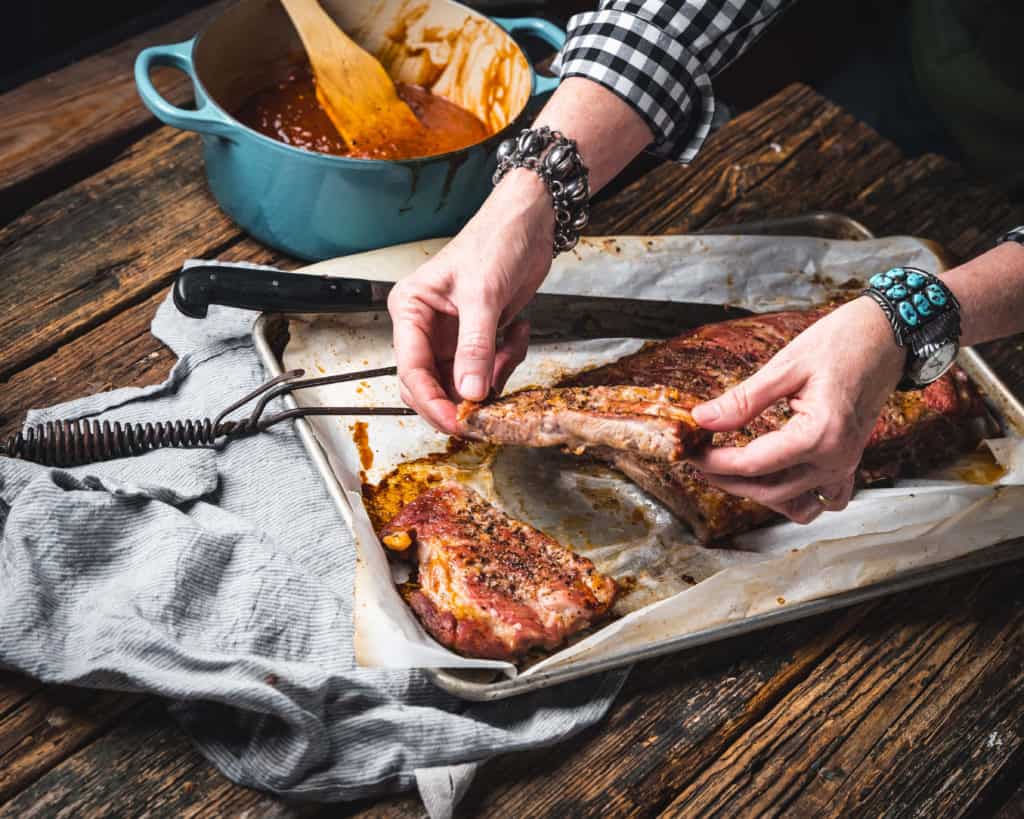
(738, 159)
(899, 720)
(936, 199)
(675, 716)
(50, 726)
(121, 352)
(143, 766)
(944, 753)
(73, 121)
(797, 153)
(14, 690)
(105, 243)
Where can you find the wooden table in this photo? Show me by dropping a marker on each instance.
(913, 705)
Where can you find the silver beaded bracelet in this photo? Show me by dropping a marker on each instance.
(556, 160)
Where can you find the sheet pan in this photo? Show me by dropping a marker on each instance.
(483, 686)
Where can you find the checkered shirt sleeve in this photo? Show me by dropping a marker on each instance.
(659, 56)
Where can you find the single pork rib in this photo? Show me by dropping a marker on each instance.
(651, 422)
(488, 585)
(916, 430)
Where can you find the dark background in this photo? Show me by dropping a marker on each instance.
(42, 35)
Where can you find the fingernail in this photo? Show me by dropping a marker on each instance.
(705, 412)
(472, 387)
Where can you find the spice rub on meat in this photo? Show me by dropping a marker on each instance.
(651, 421)
(491, 586)
(915, 430)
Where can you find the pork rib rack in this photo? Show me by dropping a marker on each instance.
(488, 585)
(633, 414)
(916, 430)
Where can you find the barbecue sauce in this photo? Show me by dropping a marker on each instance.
(361, 438)
(288, 111)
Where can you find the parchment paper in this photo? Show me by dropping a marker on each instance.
(680, 586)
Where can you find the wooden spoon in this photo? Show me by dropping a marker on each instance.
(351, 84)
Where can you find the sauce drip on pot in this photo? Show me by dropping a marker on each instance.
(288, 111)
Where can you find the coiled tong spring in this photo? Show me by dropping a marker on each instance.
(73, 443)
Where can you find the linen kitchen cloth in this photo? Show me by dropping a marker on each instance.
(222, 580)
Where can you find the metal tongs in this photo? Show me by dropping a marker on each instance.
(72, 443)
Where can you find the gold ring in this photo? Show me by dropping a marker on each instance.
(822, 499)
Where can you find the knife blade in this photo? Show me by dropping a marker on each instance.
(557, 317)
(552, 316)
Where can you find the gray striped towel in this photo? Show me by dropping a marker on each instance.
(222, 581)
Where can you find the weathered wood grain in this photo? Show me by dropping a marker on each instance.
(15, 689)
(910, 715)
(734, 162)
(121, 352)
(73, 121)
(932, 197)
(948, 747)
(50, 726)
(112, 240)
(675, 716)
(144, 766)
(797, 153)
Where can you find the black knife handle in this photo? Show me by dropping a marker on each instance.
(270, 291)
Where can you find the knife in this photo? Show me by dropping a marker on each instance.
(273, 291)
(552, 316)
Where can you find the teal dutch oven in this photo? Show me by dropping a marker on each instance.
(317, 206)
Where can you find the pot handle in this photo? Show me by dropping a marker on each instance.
(206, 119)
(542, 30)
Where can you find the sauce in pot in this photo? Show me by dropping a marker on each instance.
(288, 111)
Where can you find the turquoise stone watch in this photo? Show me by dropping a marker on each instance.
(925, 319)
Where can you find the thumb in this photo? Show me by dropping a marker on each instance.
(739, 405)
(474, 355)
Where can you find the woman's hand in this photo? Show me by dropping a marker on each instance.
(837, 375)
(448, 313)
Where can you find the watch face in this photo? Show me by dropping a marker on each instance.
(928, 368)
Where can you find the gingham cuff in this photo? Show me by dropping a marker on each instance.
(647, 68)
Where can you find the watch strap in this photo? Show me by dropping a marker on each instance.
(944, 327)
